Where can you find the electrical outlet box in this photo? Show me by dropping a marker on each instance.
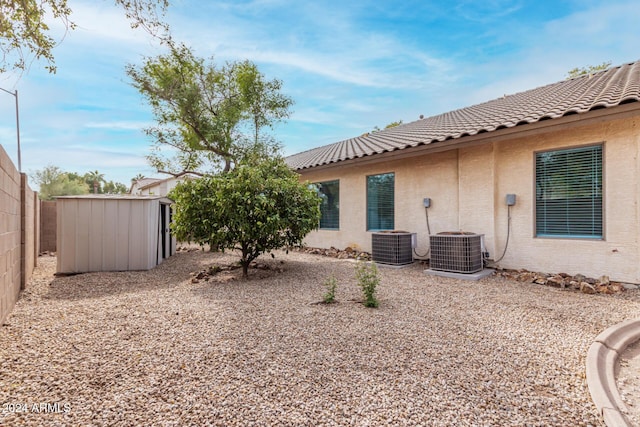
(511, 199)
(426, 202)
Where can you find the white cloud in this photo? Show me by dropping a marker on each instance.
(118, 125)
(321, 40)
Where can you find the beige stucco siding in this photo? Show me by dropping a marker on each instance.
(468, 188)
(427, 176)
(476, 189)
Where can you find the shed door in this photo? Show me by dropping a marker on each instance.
(164, 229)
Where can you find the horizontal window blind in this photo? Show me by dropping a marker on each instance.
(380, 202)
(569, 193)
(329, 193)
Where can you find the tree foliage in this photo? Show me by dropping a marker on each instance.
(588, 70)
(208, 116)
(112, 187)
(94, 179)
(137, 178)
(390, 125)
(25, 33)
(255, 208)
(54, 182)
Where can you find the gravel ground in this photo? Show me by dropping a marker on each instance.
(154, 348)
(629, 381)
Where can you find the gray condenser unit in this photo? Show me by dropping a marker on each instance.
(456, 252)
(392, 247)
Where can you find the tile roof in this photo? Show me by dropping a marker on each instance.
(609, 88)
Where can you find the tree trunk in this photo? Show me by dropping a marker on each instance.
(245, 269)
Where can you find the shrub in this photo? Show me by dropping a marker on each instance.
(255, 208)
(331, 284)
(368, 280)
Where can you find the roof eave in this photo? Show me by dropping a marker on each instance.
(572, 120)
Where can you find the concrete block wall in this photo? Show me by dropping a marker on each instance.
(19, 216)
(47, 226)
(30, 234)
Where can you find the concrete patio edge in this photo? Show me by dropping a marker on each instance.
(602, 358)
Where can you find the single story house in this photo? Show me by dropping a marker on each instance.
(157, 186)
(568, 151)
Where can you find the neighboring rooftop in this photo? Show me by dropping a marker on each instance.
(156, 181)
(605, 89)
(143, 182)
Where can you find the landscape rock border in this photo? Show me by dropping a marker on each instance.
(347, 253)
(602, 359)
(578, 282)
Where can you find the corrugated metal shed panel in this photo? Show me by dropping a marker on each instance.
(109, 233)
(606, 89)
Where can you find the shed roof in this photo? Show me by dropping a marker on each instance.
(612, 87)
(162, 199)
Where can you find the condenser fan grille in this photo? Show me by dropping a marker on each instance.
(392, 248)
(456, 252)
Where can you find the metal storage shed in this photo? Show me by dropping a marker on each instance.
(112, 233)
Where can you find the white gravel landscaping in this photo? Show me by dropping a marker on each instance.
(154, 348)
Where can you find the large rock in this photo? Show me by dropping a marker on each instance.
(587, 288)
(557, 281)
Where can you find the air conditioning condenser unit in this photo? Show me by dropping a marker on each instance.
(392, 247)
(456, 252)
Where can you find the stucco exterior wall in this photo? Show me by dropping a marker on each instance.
(468, 188)
(161, 188)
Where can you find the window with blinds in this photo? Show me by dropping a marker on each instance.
(380, 202)
(329, 193)
(569, 193)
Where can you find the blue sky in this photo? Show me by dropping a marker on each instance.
(348, 65)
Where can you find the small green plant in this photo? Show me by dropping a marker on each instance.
(331, 284)
(368, 280)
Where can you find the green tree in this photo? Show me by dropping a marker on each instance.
(255, 208)
(588, 70)
(137, 178)
(390, 125)
(52, 182)
(111, 187)
(263, 101)
(24, 30)
(94, 180)
(203, 111)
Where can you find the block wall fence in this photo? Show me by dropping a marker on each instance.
(47, 226)
(19, 233)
